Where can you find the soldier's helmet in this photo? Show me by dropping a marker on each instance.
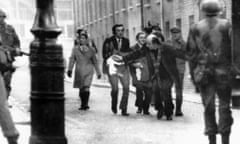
(2, 13)
(211, 7)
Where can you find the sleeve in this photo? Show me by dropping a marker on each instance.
(16, 41)
(105, 49)
(96, 64)
(94, 45)
(179, 53)
(191, 46)
(133, 55)
(191, 50)
(72, 59)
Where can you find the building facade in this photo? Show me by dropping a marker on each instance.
(184, 13)
(20, 14)
(98, 17)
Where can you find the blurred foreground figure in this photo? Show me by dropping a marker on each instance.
(6, 122)
(11, 43)
(209, 44)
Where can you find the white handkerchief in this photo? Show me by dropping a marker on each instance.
(112, 66)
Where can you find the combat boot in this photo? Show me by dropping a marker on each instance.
(212, 139)
(225, 138)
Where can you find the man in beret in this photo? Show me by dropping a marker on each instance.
(177, 42)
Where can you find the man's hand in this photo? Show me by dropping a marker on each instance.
(99, 76)
(69, 73)
(18, 52)
(117, 58)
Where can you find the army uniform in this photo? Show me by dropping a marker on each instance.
(209, 45)
(181, 45)
(10, 42)
(6, 122)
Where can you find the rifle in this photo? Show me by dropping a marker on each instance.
(12, 50)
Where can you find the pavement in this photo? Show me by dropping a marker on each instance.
(99, 126)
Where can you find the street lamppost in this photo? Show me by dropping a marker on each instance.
(236, 51)
(47, 83)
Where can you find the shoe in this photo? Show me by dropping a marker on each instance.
(139, 110)
(197, 90)
(169, 118)
(84, 108)
(178, 113)
(114, 110)
(124, 113)
(146, 113)
(159, 114)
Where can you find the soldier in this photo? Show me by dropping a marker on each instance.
(209, 45)
(177, 42)
(6, 122)
(10, 42)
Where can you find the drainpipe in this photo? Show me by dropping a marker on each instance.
(113, 12)
(142, 14)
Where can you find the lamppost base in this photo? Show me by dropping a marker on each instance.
(236, 102)
(47, 140)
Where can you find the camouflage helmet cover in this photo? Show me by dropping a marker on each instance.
(211, 7)
(2, 13)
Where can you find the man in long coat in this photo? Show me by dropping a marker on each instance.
(84, 59)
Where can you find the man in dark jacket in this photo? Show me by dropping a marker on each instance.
(162, 59)
(117, 44)
(141, 77)
(209, 45)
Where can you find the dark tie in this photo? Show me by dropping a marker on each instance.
(119, 44)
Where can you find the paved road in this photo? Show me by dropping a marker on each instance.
(100, 126)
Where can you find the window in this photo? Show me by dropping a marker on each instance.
(179, 23)
(191, 20)
(130, 3)
(167, 29)
(64, 9)
(124, 4)
(70, 30)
